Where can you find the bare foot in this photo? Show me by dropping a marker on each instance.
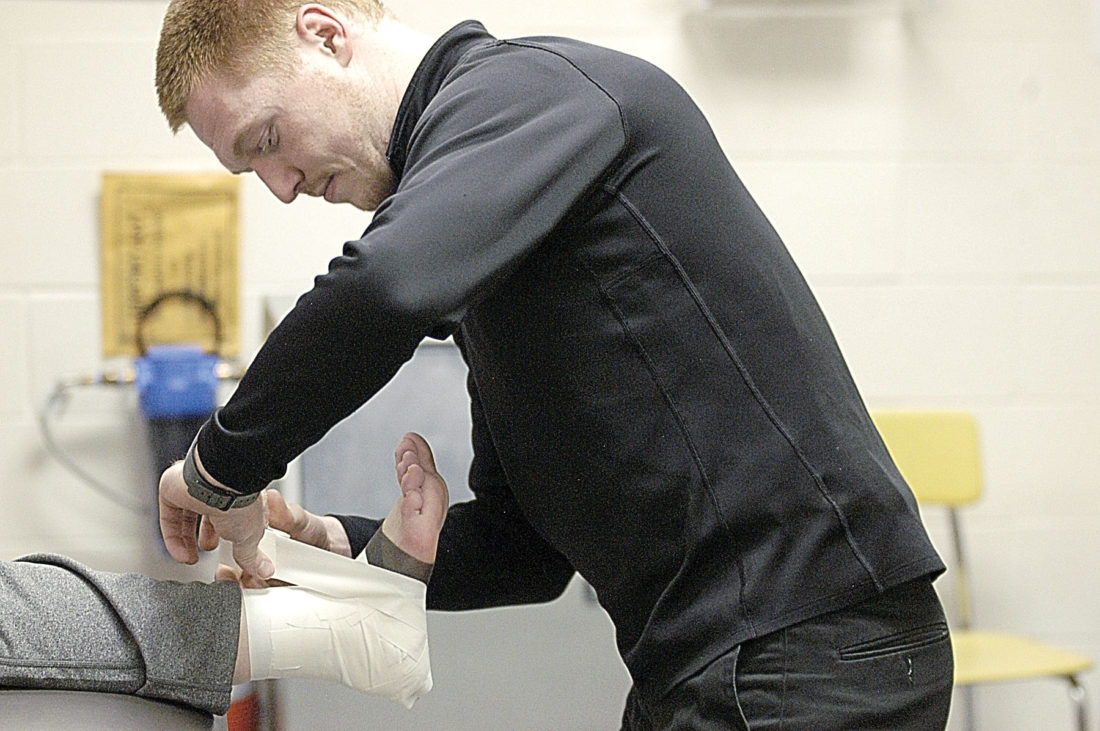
(417, 517)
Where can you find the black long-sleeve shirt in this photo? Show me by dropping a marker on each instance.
(658, 402)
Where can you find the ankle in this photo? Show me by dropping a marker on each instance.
(296, 632)
(383, 552)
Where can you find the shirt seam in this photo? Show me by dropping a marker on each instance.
(757, 395)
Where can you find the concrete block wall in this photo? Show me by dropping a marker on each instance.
(934, 165)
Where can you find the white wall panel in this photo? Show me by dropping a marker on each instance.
(1060, 350)
(14, 378)
(926, 344)
(51, 235)
(838, 218)
(9, 94)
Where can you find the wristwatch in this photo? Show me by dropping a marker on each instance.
(207, 492)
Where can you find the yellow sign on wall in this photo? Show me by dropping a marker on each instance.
(170, 250)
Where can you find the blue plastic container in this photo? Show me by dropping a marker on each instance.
(176, 381)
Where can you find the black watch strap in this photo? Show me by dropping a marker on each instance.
(207, 492)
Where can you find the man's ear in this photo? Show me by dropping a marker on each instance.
(325, 29)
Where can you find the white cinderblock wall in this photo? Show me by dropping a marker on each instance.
(935, 168)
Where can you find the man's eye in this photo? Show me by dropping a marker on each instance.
(267, 143)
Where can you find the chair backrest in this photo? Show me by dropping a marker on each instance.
(937, 453)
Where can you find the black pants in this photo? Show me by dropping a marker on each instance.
(883, 664)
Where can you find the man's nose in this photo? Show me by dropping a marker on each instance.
(282, 180)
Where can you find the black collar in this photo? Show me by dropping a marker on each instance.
(429, 77)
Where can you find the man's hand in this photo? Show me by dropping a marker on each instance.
(179, 517)
(323, 531)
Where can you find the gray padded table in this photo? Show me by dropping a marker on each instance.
(51, 710)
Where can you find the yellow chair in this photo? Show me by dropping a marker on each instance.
(938, 454)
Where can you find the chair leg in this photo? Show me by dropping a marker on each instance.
(1077, 694)
(969, 713)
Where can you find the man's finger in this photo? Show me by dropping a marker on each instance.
(279, 513)
(296, 521)
(208, 536)
(227, 573)
(177, 528)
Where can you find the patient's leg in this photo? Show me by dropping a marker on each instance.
(65, 626)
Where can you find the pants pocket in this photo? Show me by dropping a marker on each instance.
(892, 644)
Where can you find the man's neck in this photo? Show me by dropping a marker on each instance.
(394, 52)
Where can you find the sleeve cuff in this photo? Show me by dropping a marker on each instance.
(359, 530)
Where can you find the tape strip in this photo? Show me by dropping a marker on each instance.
(332, 574)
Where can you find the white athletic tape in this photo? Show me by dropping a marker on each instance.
(330, 573)
(344, 620)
